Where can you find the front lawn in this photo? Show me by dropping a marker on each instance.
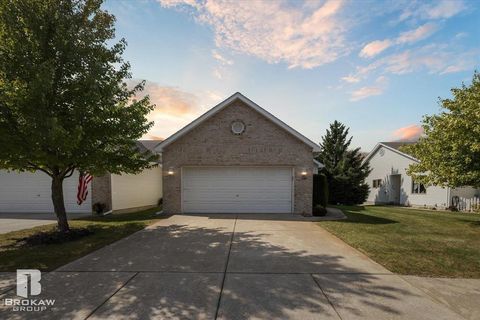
(15, 254)
(414, 242)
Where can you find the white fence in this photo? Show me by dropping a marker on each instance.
(466, 204)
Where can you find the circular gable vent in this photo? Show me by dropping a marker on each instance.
(238, 127)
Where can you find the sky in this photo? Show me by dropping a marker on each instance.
(376, 66)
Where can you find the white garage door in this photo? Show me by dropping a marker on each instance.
(237, 190)
(30, 192)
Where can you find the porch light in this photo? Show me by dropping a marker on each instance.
(303, 173)
(170, 171)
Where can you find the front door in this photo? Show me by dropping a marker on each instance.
(395, 187)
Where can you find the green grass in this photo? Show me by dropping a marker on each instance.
(414, 242)
(107, 229)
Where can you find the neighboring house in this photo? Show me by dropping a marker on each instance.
(390, 184)
(30, 192)
(237, 158)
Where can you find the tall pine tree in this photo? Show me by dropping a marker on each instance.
(344, 169)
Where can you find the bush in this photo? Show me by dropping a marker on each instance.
(319, 211)
(320, 190)
(55, 236)
(453, 209)
(99, 207)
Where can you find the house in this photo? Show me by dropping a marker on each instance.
(237, 158)
(390, 184)
(30, 192)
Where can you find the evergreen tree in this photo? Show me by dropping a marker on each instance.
(344, 169)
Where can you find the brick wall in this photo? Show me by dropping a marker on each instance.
(262, 144)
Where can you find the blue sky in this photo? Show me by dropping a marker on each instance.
(377, 66)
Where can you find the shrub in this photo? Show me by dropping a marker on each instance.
(319, 211)
(320, 190)
(99, 207)
(55, 236)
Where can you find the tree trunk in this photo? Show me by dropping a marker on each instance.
(59, 205)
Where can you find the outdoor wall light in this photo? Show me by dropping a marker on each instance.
(303, 173)
(170, 171)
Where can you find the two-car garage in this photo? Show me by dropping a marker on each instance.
(237, 158)
(237, 189)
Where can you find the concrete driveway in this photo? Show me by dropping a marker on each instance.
(230, 267)
(18, 221)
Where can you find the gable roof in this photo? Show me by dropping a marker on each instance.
(225, 103)
(393, 146)
(147, 145)
(397, 144)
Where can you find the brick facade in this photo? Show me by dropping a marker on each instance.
(263, 143)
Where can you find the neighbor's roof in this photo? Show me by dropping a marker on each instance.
(397, 144)
(393, 146)
(227, 102)
(147, 145)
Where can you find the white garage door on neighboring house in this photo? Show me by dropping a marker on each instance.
(30, 192)
(237, 190)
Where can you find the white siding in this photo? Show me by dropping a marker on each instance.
(394, 163)
(137, 190)
(30, 192)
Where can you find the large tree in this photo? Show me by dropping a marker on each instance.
(449, 153)
(64, 102)
(344, 168)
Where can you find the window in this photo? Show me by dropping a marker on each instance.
(377, 183)
(418, 188)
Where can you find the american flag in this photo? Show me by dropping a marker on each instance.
(83, 181)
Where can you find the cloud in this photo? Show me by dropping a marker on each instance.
(217, 73)
(223, 62)
(437, 10)
(174, 108)
(170, 101)
(365, 92)
(375, 47)
(377, 89)
(433, 58)
(150, 136)
(409, 133)
(445, 9)
(217, 56)
(214, 97)
(417, 34)
(304, 36)
(350, 79)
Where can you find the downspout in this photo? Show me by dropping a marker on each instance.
(449, 200)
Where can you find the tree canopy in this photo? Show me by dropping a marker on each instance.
(449, 151)
(64, 101)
